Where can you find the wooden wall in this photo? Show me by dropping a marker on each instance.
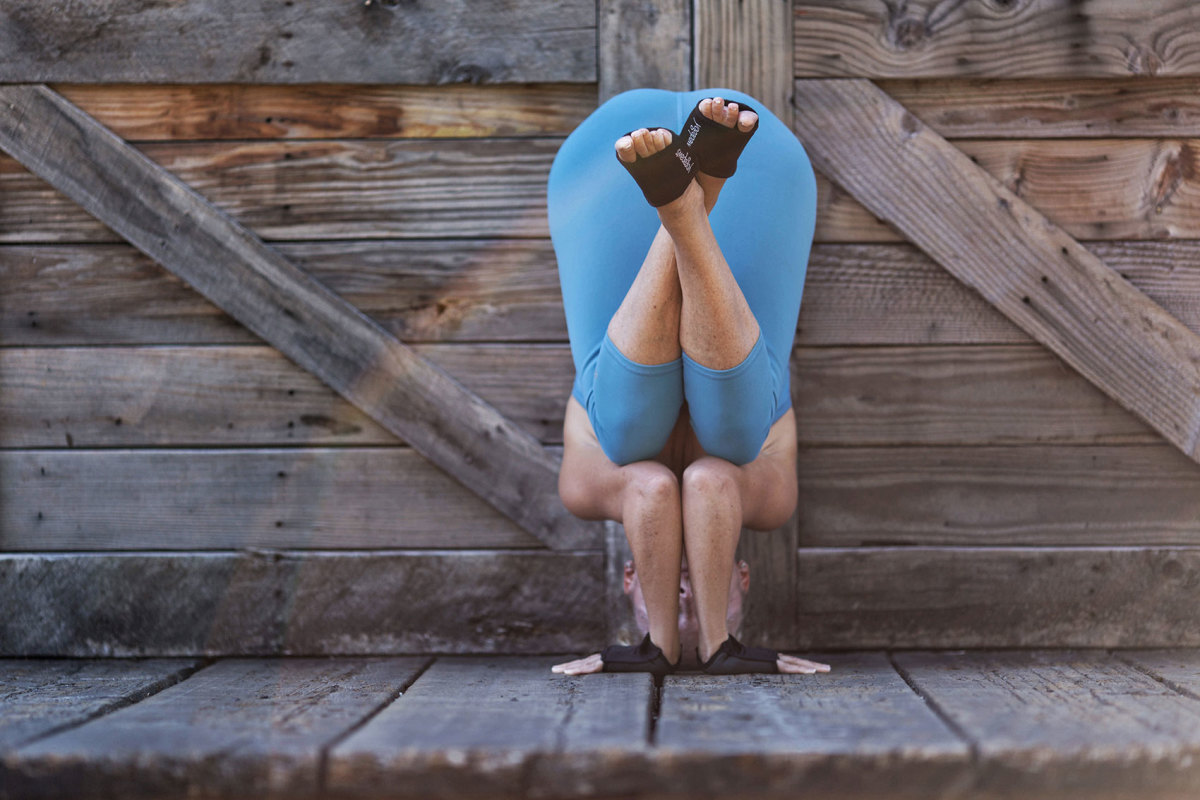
(171, 484)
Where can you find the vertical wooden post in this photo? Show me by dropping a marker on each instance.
(747, 46)
(644, 44)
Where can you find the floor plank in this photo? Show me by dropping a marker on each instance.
(241, 726)
(1064, 723)
(855, 730)
(38, 696)
(488, 727)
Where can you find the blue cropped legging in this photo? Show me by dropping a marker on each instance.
(602, 228)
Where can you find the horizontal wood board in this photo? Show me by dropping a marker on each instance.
(140, 112)
(269, 42)
(1049, 723)
(507, 290)
(997, 38)
(907, 597)
(502, 727)
(1101, 189)
(39, 697)
(261, 602)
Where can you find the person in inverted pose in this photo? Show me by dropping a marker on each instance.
(681, 314)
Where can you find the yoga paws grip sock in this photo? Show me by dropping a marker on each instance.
(715, 148)
(735, 658)
(665, 175)
(644, 657)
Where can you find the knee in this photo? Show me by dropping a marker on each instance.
(650, 484)
(711, 477)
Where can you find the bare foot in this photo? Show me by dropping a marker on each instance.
(727, 114)
(589, 664)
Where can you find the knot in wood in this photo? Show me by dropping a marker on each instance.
(907, 32)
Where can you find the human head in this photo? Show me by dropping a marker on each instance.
(689, 629)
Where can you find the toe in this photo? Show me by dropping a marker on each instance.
(706, 107)
(662, 138)
(746, 120)
(641, 142)
(625, 149)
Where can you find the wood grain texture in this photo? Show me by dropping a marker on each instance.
(895, 295)
(436, 290)
(216, 498)
(156, 112)
(267, 42)
(1047, 723)
(643, 45)
(496, 290)
(1000, 108)
(951, 394)
(747, 46)
(502, 728)
(244, 395)
(996, 39)
(241, 727)
(1049, 495)
(42, 696)
(1177, 668)
(1032, 271)
(293, 603)
(324, 189)
(857, 731)
(1099, 189)
(317, 329)
(905, 597)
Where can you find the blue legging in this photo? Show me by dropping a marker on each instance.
(602, 228)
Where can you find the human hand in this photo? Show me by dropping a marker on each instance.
(580, 666)
(787, 663)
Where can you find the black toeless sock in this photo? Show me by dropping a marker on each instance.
(664, 175)
(644, 657)
(735, 658)
(714, 147)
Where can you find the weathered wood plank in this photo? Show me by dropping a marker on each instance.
(644, 46)
(1025, 109)
(1033, 272)
(894, 295)
(265, 42)
(171, 223)
(38, 697)
(858, 731)
(1003, 39)
(361, 189)
(239, 728)
(502, 727)
(1034, 495)
(181, 499)
(243, 395)
(297, 603)
(1064, 724)
(1095, 189)
(947, 394)
(998, 597)
(418, 290)
(482, 290)
(1177, 668)
(367, 189)
(747, 46)
(157, 112)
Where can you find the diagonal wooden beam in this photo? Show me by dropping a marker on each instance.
(164, 218)
(1023, 264)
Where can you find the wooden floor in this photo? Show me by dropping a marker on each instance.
(998, 723)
